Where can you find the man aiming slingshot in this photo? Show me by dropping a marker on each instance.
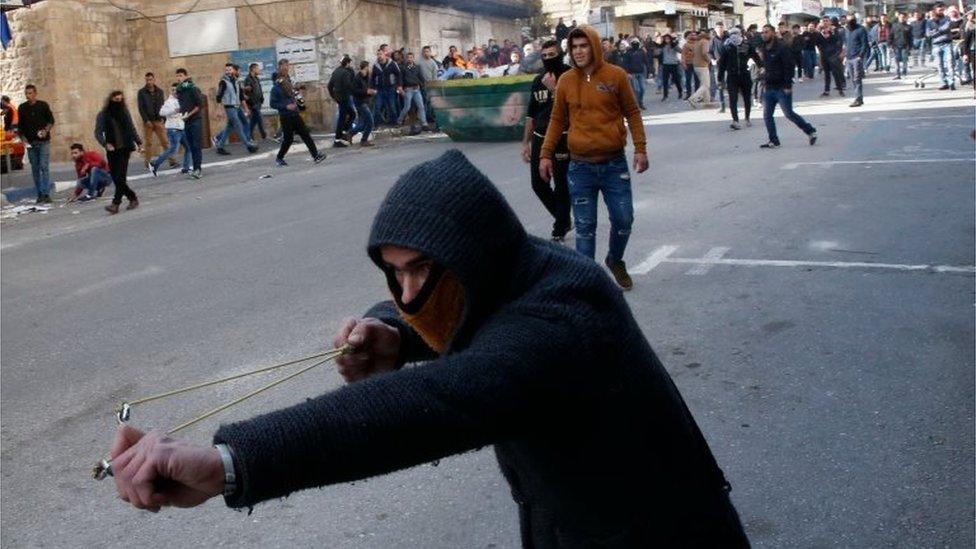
(520, 344)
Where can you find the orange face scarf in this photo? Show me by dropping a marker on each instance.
(441, 314)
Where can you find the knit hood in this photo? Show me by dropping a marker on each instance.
(448, 210)
(595, 46)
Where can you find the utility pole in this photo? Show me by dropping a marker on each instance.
(403, 19)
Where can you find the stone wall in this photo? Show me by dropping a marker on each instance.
(108, 49)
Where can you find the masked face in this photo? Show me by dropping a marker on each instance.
(551, 60)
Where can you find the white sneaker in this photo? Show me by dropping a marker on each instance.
(800, 79)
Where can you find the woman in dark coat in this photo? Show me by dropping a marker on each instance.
(115, 131)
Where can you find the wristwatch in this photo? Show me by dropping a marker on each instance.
(230, 476)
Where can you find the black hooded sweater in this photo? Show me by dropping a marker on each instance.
(548, 365)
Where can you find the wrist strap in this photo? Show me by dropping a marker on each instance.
(230, 477)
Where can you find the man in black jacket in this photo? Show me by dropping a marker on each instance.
(522, 344)
(733, 73)
(340, 89)
(255, 100)
(554, 198)
(635, 63)
(35, 123)
(900, 40)
(413, 85)
(830, 41)
(778, 70)
(191, 105)
(150, 99)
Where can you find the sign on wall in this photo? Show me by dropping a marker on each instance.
(264, 57)
(302, 56)
(201, 32)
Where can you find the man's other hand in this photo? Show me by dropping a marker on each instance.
(152, 470)
(375, 348)
(640, 162)
(545, 168)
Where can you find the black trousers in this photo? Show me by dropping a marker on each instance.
(737, 85)
(833, 66)
(290, 125)
(669, 72)
(118, 164)
(555, 198)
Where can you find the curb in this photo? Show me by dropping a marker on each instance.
(16, 194)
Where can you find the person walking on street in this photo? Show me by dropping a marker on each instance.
(284, 101)
(919, 39)
(939, 31)
(255, 100)
(34, 126)
(715, 47)
(174, 132)
(601, 99)
(340, 90)
(883, 34)
(412, 84)
(635, 63)
(700, 62)
(114, 131)
(856, 49)
(733, 73)
(692, 82)
(554, 198)
(230, 93)
(361, 94)
(901, 44)
(778, 69)
(670, 61)
(191, 103)
(149, 100)
(831, 44)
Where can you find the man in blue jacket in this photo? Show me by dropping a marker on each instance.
(386, 79)
(778, 70)
(283, 100)
(856, 49)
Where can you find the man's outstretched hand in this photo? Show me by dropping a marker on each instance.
(376, 347)
(152, 470)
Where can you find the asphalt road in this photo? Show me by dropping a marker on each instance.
(837, 396)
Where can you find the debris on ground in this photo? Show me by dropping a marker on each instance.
(12, 212)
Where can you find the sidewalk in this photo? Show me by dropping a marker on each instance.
(18, 185)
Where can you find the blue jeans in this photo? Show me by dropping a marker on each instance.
(809, 62)
(235, 123)
(637, 84)
(344, 117)
(771, 97)
(947, 70)
(412, 96)
(918, 45)
(175, 137)
(193, 135)
(883, 56)
(901, 61)
(690, 77)
(256, 121)
(96, 180)
(364, 120)
(39, 155)
(586, 181)
(386, 106)
(855, 75)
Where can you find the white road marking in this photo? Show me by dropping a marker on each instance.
(116, 280)
(887, 118)
(829, 163)
(653, 260)
(708, 261)
(715, 257)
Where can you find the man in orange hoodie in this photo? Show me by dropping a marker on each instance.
(592, 100)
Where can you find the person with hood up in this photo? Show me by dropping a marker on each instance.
(593, 99)
(554, 198)
(856, 50)
(635, 63)
(733, 73)
(513, 342)
(115, 131)
(778, 71)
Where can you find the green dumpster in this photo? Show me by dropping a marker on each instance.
(482, 109)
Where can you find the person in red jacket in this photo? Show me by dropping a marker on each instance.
(92, 171)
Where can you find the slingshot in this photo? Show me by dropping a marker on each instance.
(124, 411)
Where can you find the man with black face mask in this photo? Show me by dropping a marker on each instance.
(856, 49)
(554, 198)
